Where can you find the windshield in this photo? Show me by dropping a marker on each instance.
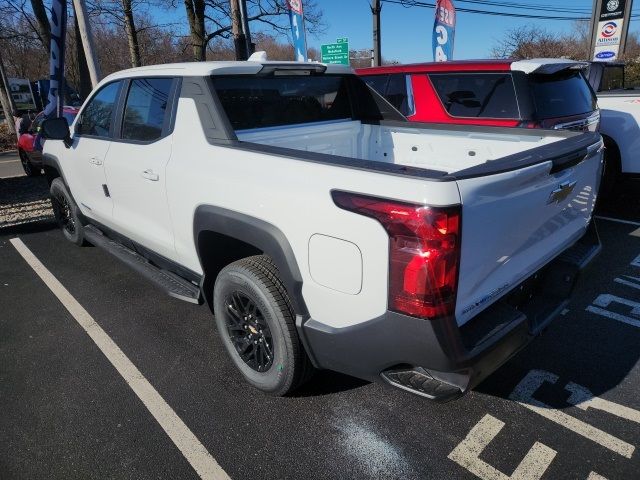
(561, 95)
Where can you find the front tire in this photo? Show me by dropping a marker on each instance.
(257, 325)
(66, 212)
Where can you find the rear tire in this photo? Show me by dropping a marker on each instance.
(29, 169)
(257, 325)
(66, 212)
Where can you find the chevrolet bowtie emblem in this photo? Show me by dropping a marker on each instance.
(561, 193)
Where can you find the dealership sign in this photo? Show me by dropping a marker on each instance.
(609, 30)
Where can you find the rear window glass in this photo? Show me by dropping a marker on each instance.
(477, 95)
(561, 95)
(612, 78)
(258, 102)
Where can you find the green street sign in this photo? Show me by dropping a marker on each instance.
(337, 53)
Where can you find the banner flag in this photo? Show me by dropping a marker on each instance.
(58, 23)
(296, 18)
(444, 29)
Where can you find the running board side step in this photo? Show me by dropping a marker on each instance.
(174, 285)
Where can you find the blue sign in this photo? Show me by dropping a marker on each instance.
(444, 30)
(296, 19)
(605, 55)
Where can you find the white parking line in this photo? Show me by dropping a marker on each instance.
(618, 220)
(595, 476)
(582, 398)
(467, 454)
(195, 453)
(633, 283)
(523, 394)
(604, 300)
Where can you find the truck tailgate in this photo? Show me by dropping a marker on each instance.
(518, 219)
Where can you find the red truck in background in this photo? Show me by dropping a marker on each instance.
(536, 93)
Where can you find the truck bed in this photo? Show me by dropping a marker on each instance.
(447, 151)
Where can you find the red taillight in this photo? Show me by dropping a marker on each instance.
(424, 252)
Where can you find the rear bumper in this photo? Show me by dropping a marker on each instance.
(439, 360)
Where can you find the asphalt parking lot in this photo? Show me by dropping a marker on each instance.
(565, 407)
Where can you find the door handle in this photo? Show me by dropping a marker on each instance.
(95, 161)
(149, 175)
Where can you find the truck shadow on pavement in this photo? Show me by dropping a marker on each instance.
(596, 343)
(326, 382)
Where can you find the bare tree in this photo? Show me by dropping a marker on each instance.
(210, 20)
(195, 15)
(120, 14)
(42, 26)
(30, 16)
(132, 34)
(531, 42)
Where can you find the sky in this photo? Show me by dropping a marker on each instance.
(406, 32)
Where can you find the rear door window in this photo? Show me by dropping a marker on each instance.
(146, 109)
(477, 95)
(561, 95)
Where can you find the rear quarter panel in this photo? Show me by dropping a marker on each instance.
(294, 196)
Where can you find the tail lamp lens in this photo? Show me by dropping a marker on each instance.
(424, 252)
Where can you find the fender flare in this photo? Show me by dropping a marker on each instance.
(257, 233)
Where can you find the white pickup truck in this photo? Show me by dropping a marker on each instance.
(322, 228)
(619, 121)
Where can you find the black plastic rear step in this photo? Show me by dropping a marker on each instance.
(417, 380)
(174, 285)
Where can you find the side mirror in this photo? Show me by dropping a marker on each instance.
(56, 129)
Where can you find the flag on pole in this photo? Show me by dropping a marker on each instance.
(296, 18)
(58, 23)
(444, 29)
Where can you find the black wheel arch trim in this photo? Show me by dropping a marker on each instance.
(254, 232)
(51, 162)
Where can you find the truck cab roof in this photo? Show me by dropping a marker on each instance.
(202, 69)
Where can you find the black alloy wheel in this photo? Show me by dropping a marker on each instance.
(256, 323)
(62, 211)
(249, 332)
(67, 214)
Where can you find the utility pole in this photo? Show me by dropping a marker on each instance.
(376, 8)
(245, 27)
(8, 105)
(87, 40)
(239, 40)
